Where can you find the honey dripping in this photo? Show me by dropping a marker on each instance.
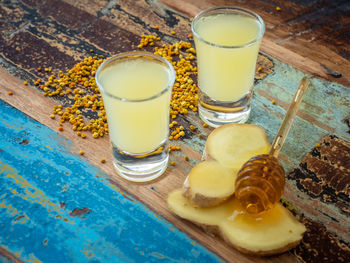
(260, 182)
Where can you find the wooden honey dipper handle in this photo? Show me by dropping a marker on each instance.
(289, 118)
(260, 182)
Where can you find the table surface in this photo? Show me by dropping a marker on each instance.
(59, 206)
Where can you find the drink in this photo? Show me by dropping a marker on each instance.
(136, 90)
(136, 80)
(227, 74)
(227, 42)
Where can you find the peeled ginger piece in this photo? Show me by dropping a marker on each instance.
(234, 144)
(209, 184)
(275, 232)
(208, 216)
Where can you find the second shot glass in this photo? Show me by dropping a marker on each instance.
(227, 41)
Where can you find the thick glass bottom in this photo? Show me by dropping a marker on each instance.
(141, 167)
(217, 113)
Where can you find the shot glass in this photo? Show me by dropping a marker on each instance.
(227, 41)
(136, 89)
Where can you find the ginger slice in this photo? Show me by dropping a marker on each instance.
(209, 184)
(275, 232)
(234, 144)
(207, 216)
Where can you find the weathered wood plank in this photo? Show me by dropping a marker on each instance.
(318, 31)
(69, 40)
(55, 207)
(265, 114)
(151, 194)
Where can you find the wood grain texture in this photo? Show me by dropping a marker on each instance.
(8, 257)
(57, 34)
(57, 207)
(312, 36)
(151, 194)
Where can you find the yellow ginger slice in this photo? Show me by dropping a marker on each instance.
(209, 184)
(208, 216)
(275, 232)
(234, 144)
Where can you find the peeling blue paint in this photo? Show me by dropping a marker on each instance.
(323, 110)
(325, 103)
(41, 183)
(5, 260)
(44, 182)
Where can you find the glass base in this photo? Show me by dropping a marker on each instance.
(141, 167)
(217, 113)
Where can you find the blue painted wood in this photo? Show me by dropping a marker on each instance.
(323, 111)
(55, 207)
(4, 260)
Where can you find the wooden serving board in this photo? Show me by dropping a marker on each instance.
(56, 204)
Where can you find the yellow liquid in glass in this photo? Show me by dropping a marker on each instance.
(136, 126)
(226, 73)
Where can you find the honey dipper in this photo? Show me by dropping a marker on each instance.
(260, 182)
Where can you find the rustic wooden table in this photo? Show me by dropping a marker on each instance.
(59, 206)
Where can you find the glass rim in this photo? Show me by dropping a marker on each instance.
(223, 9)
(137, 54)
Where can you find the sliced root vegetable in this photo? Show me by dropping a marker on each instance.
(275, 232)
(208, 216)
(234, 144)
(209, 184)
